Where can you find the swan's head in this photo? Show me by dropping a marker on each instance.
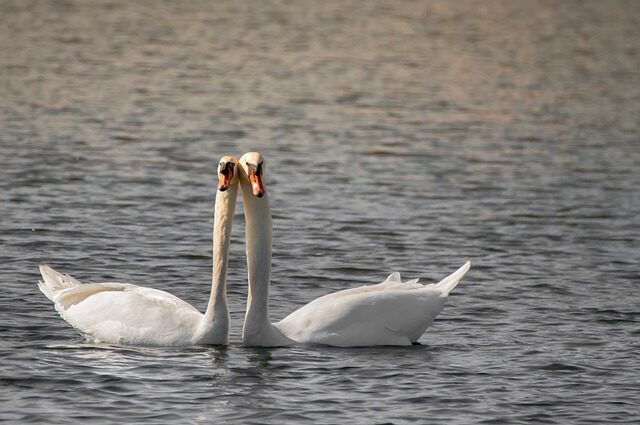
(227, 172)
(252, 166)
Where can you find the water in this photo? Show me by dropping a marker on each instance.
(401, 136)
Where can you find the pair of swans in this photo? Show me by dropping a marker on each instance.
(389, 313)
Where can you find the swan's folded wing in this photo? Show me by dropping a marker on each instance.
(393, 282)
(126, 313)
(77, 294)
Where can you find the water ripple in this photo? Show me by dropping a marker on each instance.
(398, 136)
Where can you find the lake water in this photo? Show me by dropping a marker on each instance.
(406, 136)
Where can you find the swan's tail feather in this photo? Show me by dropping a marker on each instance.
(53, 282)
(450, 282)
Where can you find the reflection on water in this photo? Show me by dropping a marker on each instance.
(405, 136)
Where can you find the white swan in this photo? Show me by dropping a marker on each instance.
(389, 313)
(123, 313)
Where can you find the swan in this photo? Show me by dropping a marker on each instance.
(123, 313)
(389, 313)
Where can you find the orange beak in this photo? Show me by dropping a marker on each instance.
(224, 179)
(256, 184)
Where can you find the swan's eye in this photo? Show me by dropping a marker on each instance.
(226, 168)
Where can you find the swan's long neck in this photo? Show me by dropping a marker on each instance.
(258, 237)
(257, 329)
(217, 315)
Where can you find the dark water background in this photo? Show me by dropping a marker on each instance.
(405, 136)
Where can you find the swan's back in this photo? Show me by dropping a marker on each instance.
(389, 313)
(120, 313)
